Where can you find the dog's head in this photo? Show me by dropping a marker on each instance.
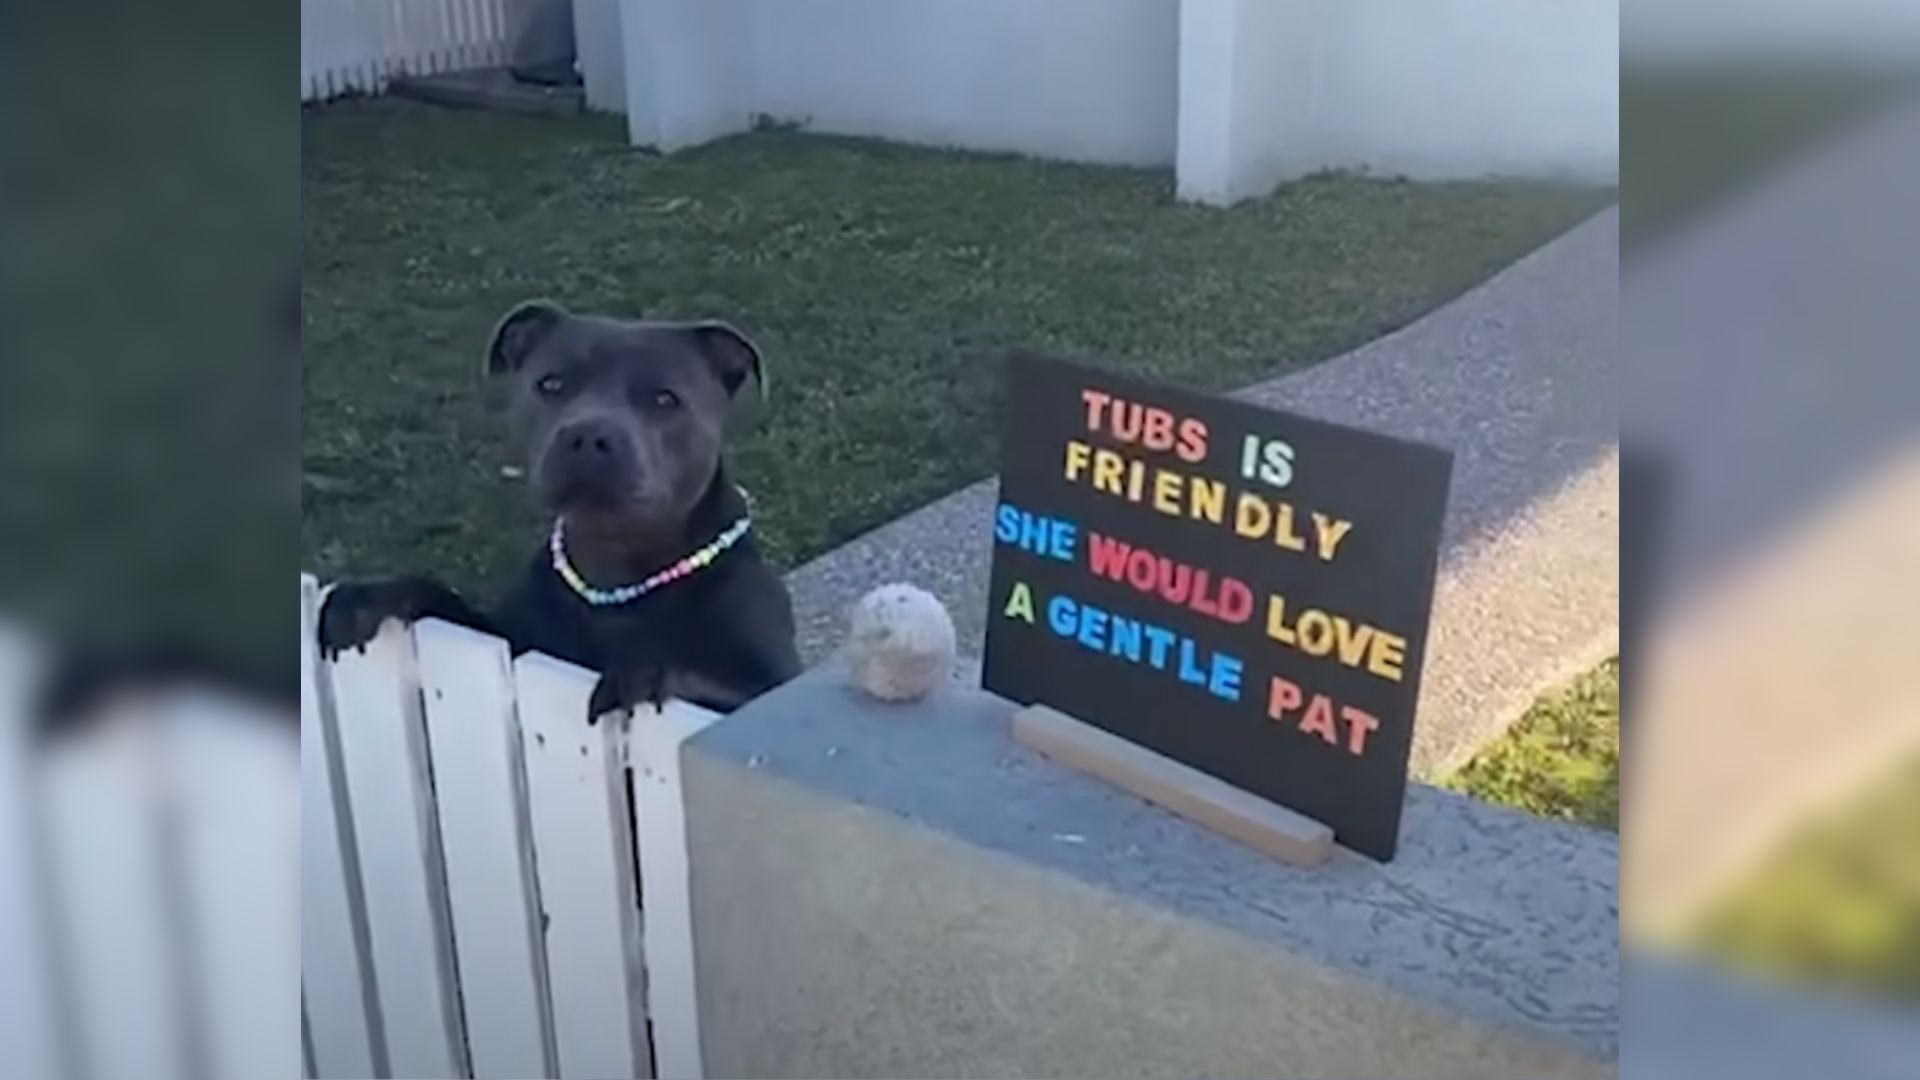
(622, 419)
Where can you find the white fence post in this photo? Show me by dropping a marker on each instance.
(231, 775)
(473, 897)
(149, 884)
(660, 809)
(376, 696)
(335, 966)
(115, 935)
(170, 825)
(583, 848)
(28, 1043)
(467, 679)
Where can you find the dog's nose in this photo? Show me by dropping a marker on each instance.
(589, 439)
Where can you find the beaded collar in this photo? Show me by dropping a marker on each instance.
(698, 560)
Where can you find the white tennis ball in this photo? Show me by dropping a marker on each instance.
(901, 643)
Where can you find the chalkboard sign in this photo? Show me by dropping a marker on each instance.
(1241, 590)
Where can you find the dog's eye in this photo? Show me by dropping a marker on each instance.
(666, 399)
(550, 385)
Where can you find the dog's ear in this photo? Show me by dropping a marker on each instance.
(733, 356)
(516, 335)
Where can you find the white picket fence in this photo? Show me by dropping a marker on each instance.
(471, 904)
(149, 886)
(358, 45)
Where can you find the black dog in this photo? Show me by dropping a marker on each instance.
(623, 422)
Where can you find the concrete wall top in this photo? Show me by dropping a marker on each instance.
(1486, 912)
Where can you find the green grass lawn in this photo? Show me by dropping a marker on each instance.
(882, 280)
(1560, 760)
(1838, 904)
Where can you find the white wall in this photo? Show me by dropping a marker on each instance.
(1428, 89)
(1238, 94)
(1439, 88)
(1275, 111)
(1086, 80)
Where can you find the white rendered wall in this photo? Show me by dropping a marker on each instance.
(1443, 88)
(1239, 94)
(1083, 80)
(1433, 89)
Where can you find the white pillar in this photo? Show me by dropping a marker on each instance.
(1203, 158)
(602, 52)
(689, 70)
(1247, 96)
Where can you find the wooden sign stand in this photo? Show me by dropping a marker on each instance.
(1266, 826)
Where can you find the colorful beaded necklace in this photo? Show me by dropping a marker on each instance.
(698, 560)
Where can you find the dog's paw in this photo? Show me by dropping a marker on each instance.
(626, 688)
(353, 613)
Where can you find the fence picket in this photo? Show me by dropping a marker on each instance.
(117, 931)
(467, 684)
(231, 774)
(493, 27)
(486, 831)
(27, 1045)
(383, 747)
(582, 837)
(361, 44)
(660, 812)
(335, 972)
(442, 27)
(459, 28)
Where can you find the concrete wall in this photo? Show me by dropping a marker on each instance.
(1238, 94)
(902, 891)
(1448, 88)
(1082, 80)
(1439, 89)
